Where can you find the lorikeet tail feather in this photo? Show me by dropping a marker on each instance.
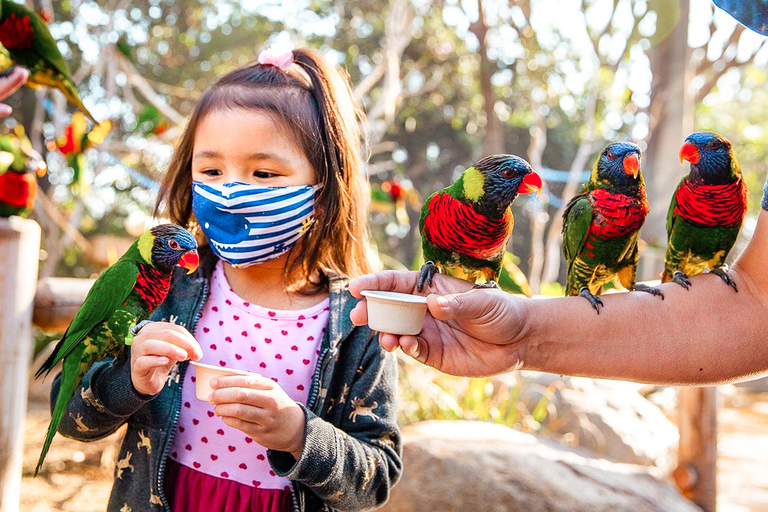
(66, 391)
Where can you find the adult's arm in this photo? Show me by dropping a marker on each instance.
(706, 335)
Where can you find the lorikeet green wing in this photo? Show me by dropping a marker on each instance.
(578, 215)
(25, 36)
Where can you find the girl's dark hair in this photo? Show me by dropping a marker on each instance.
(314, 101)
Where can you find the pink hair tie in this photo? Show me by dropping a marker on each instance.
(278, 57)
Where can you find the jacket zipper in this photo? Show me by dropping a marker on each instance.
(177, 407)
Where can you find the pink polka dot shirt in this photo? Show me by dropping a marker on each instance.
(280, 344)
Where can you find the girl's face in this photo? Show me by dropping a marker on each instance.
(248, 146)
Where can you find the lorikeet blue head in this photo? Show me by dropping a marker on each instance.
(711, 157)
(499, 180)
(172, 245)
(619, 165)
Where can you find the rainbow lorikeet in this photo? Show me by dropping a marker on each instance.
(76, 141)
(601, 225)
(465, 227)
(122, 296)
(706, 211)
(18, 164)
(27, 42)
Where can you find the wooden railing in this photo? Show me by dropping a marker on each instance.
(57, 300)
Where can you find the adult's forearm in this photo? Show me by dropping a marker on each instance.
(706, 335)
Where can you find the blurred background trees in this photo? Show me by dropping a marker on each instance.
(444, 82)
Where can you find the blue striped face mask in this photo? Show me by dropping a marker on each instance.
(249, 224)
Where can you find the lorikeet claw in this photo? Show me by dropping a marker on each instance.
(681, 279)
(639, 287)
(594, 300)
(427, 271)
(487, 284)
(725, 276)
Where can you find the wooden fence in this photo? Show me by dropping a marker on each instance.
(56, 300)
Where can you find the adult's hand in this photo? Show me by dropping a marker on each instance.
(8, 85)
(467, 332)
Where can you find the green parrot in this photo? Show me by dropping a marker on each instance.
(26, 41)
(124, 294)
(706, 211)
(601, 225)
(465, 227)
(19, 163)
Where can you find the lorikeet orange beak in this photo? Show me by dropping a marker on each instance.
(632, 165)
(531, 183)
(190, 261)
(689, 152)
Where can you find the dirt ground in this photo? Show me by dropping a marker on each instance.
(78, 476)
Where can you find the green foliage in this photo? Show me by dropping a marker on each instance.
(426, 394)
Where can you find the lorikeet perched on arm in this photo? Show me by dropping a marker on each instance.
(601, 225)
(706, 211)
(465, 227)
(122, 296)
(26, 41)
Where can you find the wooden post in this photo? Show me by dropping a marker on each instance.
(19, 255)
(697, 458)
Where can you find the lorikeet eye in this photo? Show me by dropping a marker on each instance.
(173, 244)
(508, 173)
(610, 155)
(712, 145)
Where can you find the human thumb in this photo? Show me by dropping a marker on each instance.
(468, 305)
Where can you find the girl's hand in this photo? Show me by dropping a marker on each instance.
(259, 407)
(154, 351)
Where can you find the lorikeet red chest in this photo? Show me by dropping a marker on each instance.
(152, 286)
(721, 205)
(616, 215)
(455, 226)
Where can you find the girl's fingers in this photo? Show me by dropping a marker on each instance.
(245, 413)
(153, 347)
(263, 399)
(144, 365)
(388, 342)
(359, 315)
(174, 334)
(253, 381)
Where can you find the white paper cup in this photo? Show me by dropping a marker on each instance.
(395, 313)
(205, 372)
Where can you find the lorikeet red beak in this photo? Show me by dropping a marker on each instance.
(190, 261)
(632, 165)
(689, 152)
(531, 183)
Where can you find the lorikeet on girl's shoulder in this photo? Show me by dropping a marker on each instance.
(706, 211)
(465, 227)
(601, 225)
(124, 294)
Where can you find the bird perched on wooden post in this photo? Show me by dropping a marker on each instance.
(26, 41)
(706, 211)
(123, 295)
(601, 225)
(465, 227)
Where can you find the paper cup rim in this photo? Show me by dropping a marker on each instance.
(394, 296)
(221, 368)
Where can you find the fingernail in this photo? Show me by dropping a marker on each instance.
(441, 301)
(5, 110)
(214, 382)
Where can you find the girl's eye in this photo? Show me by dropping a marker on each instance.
(212, 172)
(263, 174)
(173, 244)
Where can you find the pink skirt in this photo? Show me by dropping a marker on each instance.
(192, 491)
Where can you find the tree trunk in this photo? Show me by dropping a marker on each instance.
(494, 136)
(671, 120)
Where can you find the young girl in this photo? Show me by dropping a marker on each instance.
(268, 172)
